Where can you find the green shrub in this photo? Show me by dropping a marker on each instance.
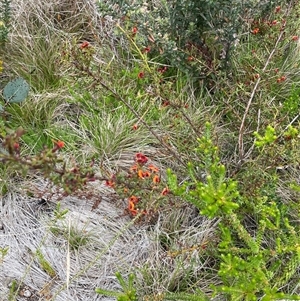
(259, 251)
(194, 36)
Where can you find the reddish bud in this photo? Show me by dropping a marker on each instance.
(146, 49)
(165, 191)
(59, 144)
(141, 75)
(85, 44)
(110, 183)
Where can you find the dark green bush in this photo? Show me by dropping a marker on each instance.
(196, 36)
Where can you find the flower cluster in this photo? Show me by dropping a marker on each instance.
(141, 187)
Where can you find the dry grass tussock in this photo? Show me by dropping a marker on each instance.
(42, 30)
(86, 248)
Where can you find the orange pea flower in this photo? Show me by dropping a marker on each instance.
(59, 144)
(140, 174)
(143, 174)
(110, 183)
(165, 191)
(133, 199)
(146, 174)
(156, 179)
(133, 168)
(255, 31)
(131, 208)
(153, 168)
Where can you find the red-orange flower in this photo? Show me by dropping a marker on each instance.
(16, 146)
(60, 144)
(131, 208)
(153, 168)
(146, 174)
(165, 191)
(295, 38)
(133, 168)
(110, 183)
(255, 31)
(140, 174)
(140, 158)
(141, 74)
(146, 49)
(143, 174)
(135, 127)
(277, 9)
(134, 30)
(156, 179)
(133, 199)
(85, 44)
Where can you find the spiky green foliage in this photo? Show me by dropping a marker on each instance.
(244, 254)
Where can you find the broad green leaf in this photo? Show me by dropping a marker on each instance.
(16, 90)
